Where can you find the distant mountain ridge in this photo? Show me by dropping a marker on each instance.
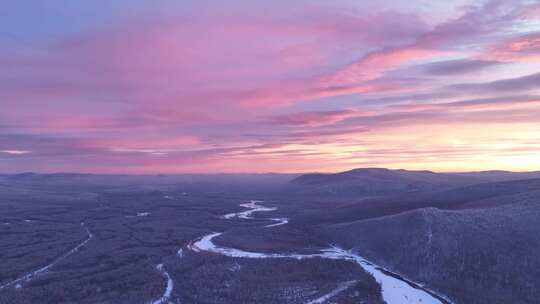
(359, 173)
(382, 181)
(378, 181)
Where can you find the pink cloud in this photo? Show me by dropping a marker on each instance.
(523, 48)
(314, 118)
(229, 91)
(210, 61)
(374, 64)
(293, 92)
(15, 152)
(442, 40)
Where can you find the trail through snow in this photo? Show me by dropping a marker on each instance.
(32, 274)
(341, 288)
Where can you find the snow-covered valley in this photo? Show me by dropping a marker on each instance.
(395, 290)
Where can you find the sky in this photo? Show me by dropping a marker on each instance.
(199, 86)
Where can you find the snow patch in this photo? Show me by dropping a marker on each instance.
(139, 214)
(341, 288)
(280, 221)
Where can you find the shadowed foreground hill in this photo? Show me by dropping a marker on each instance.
(455, 198)
(482, 255)
(498, 175)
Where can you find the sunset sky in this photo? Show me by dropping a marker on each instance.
(163, 86)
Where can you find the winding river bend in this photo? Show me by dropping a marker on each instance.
(395, 289)
(164, 299)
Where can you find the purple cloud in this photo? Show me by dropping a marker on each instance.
(524, 83)
(458, 66)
